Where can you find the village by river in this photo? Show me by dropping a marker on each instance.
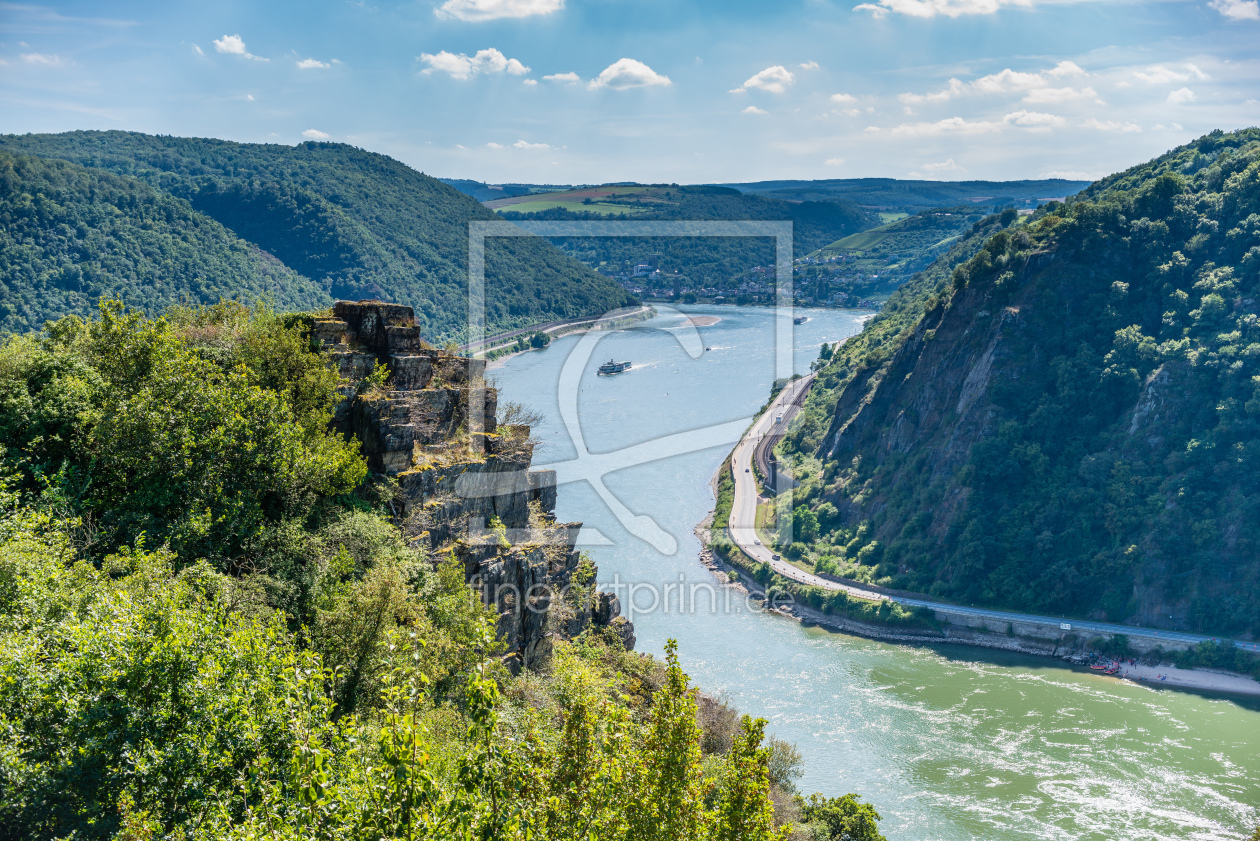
(948, 742)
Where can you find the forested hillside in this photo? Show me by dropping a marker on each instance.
(72, 235)
(357, 224)
(1071, 422)
(701, 260)
(912, 196)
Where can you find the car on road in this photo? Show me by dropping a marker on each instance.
(745, 469)
(757, 541)
(777, 557)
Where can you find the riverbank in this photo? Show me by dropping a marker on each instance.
(497, 354)
(783, 596)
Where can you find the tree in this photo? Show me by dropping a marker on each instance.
(843, 818)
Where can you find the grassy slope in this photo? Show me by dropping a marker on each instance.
(72, 235)
(361, 225)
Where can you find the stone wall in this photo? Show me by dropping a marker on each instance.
(466, 487)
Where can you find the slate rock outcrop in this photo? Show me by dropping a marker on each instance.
(467, 489)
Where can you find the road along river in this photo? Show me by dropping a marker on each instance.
(948, 742)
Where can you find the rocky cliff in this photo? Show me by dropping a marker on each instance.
(1074, 425)
(426, 418)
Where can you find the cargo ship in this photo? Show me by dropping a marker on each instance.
(613, 367)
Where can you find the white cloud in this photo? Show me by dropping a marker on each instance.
(1162, 74)
(809, 65)
(773, 79)
(1237, 9)
(530, 82)
(1043, 95)
(628, 73)
(524, 144)
(1034, 120)
(312, 64)
(1069, 175)
(753, 109)
(942, 166)
(494, 145)
(843, 97)
(42, 58)
(1181, 96)
(315, 134)
(834, 162)
(1031, 120)
(249, 97)
(951, 125)
(197, 50)
(1007, 81)
(571, 78)
(479, 10)
(234, 45)
(462, 66)
(1112, 125)
(932, 8)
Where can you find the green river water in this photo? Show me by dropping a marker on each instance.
(949, 742)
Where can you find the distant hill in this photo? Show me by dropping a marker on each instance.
(72, 235)
(356, 224)
(483, 192)
(702, 261)
(912, 196)
(872, 263)
(1063, 414)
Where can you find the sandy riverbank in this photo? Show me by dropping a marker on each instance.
(1191, 679)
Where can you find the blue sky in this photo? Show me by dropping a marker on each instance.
(587, 91)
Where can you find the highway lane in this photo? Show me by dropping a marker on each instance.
(743, 533)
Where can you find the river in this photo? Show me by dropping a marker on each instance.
(948, 742)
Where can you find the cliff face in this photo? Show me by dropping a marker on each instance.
(465, 483)
(1075, 426)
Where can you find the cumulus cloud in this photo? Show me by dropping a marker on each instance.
(1181, 96)
(809, 65)
(234, 45)
(1111, 125)
(529, 82)
(315, 134)
(487, 61)
(1007, 81)
(494, 145)
(753, 109)
(1034, 120)
(479, 10)
(947, 165)
(932, 8)
(1069, 175)
(1237, 9)
(313, 64)
(1030, 120)
(843, 98)
(1163, 74)
(628, 73)
(525, 144)
(773, 79)
(571, 78)
(834, 162)
(42, 58)
(1043, 95)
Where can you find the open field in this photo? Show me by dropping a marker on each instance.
(610, 200)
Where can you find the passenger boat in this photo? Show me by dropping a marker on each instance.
(613, 367)
(800, 319)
